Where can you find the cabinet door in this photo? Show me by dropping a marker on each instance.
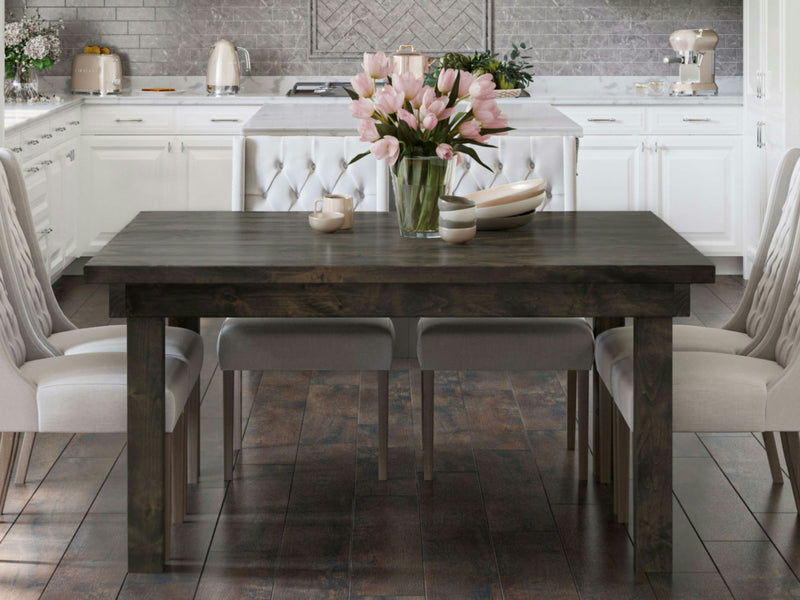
(36, 184)
(122, 176)
(774, 32)
(696, 183)
(66, 181)
(205, 171)
(610, 173)
(753, 50)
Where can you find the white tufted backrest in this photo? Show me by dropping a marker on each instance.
(776, 263)
(291, 172)
(20, 261)
(10, 334)
(515, 159)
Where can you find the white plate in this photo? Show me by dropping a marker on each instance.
(507, 193)
(157, 94)
(511, 209)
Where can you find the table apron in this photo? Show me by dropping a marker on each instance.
(401, 300)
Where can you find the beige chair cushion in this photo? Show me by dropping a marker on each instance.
(711, 391)
(180, 343)
(500, 344)
(89, 392)
(306, 344)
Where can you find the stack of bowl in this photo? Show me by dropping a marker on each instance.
(456, 219)
(509, 205)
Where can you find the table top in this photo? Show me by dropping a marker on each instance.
(556, 247)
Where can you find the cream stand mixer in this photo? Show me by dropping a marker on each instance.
(695, 48)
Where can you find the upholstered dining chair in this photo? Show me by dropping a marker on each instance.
(729, 391)
(747, 327)
(281, 174)
(50, 333)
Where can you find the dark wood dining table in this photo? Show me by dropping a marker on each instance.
(608, 265)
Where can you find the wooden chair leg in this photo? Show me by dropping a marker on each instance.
(622, 476)
(169, 461)
(427, 424)
(237, 412)
(603, 446)
(583, 424)
(571, 395)
(192, 412)
(615, 457)
(178, 470)
(383, 424)
(8, 451)
(772, 456)
(791, 452)
(227, 423)
(24, 458)
(595, 423)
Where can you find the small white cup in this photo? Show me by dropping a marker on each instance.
(341, 203)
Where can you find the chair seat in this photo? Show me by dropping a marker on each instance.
(334, 344)
(68, 388)
(504, 344)
(711, 392)
(180, 343)
(616, 344)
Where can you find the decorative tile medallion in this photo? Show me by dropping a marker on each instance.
(346, 28)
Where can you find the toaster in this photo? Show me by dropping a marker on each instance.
(98, 74)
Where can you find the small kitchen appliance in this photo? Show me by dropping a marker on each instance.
(695, 48)
(223, 75)
(96, 74)
(407, 60)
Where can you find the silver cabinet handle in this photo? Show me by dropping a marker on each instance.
(643, 147)
(225, 120)
(182, 147)
(696, 119)
(129, 120)
(169, 146)
(46, 163)
(74, 123)
(760, 134)
(759, 84)
(656, 148)
(17, 150)
(32, 142)
(60, 129)
(46, 231)
(70, 155)
(47, 136)
(601, 120)
(32, 170)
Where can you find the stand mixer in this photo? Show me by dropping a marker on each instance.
(695, 48)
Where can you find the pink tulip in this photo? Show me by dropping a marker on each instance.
(408, 84)
(444, 151)
(408, 117)
(436, 108)
(377, 65)
(363, 85)
(368, 131)
(361, 108)
(470, 129)
(429, 121)
(483, 87)
(387, 147)
(416, 101)
(388, 100)
(447, 78)
(497, 123)
(464, 82)
(485, 110)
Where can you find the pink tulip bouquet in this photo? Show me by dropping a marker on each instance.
(421, 130)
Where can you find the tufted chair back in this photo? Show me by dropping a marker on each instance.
(516, 159)
(286, 173)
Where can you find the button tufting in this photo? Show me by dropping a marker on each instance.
(312, 166)
(499, 166)
(279, 165)
(343, 166)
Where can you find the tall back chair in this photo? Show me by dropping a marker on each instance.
(49, 332)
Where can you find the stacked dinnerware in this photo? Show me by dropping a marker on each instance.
(509, 205)
(456, 219)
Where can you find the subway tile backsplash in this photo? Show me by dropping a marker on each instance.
(565, 37)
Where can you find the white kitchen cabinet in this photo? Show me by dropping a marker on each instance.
(38, 191)
(611, 173)
(64, 180)
(204, 168)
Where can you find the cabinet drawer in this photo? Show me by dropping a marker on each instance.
(696, 119)
(129, 120)
(227, 120)
(65, 125)
(607, 120)
(33, 140)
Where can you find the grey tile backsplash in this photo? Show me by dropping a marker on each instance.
(565, 37)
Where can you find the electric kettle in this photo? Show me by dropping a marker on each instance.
(223, 74)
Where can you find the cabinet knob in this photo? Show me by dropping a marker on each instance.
(60, 129)
(32, 142)
(16, 150)
(46, 163)
(47, 136)
(74, 123)
(32, 170)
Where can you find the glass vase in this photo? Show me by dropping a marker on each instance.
(24, 86)
(418, 181)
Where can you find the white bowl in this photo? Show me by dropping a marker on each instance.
(326, 222)
(464, 215)
(457, 236)
(511, 209)
(507, 193)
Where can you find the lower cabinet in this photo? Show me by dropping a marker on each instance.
(126, 174)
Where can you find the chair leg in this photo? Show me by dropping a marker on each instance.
(169, 461)
(427, 424)
(571, 393)
(192, 412)
(227, 423)
(237, 412)
(615, 458)
(178, 470)
(791, 452)
(383, 424)
(622, 449)
(603, 446)
(772, 456)
(24, 458)
(583, 424)
(8, 450)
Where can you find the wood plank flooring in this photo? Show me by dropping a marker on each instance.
(305, 516)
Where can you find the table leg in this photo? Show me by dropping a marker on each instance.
(652, 444)
(146, 490)
(601, 442)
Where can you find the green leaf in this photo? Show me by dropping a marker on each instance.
(351, 93)
(471, 152)
(485, 131)
(385, 129)
(358, 157)
(454, 92)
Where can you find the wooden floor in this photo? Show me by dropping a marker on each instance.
(305, 516)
